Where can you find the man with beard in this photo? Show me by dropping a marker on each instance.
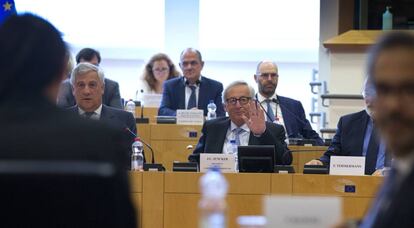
(246, 125)
(282, 110)
(192, 91)
(391, 69)
(356, 135)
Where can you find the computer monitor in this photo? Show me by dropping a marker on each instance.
(256, 158)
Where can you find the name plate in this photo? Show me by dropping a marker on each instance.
(225, 162)
(152, 100)
(302, 211)
(190, 117)
(347, 165)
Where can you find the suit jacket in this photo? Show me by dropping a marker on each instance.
(349, 137)
(297, 126)
(214, 134)
(399, 212)
(111, 96)
(120, 120)
(173, 96)
(33, 129)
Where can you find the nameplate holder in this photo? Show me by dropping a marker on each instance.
(225, 162)
(302, 211)
(347, 165)
(190, 117)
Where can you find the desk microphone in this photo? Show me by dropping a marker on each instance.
(267, 114)
(141, 119)
(146, 144)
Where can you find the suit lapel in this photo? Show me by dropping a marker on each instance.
(360, 129)
(181, 94)
(201, 103)
(106, 115)
(287, 119)
(220, 133)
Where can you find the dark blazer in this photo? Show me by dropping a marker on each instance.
(33, 129)
(110, 98)
(349, 136)
(120, 120)
(399, 212)
(214, 134)
(173, 96)
(349, 139)
(296, 124)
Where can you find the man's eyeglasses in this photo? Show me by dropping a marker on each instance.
(266, 75)
(241, 100)
(160, 69)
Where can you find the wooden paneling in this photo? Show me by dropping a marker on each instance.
(153, 200)
(150, 113)
(171, 199)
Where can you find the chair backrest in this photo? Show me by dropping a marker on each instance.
(63, 194)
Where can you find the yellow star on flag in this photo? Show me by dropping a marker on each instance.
(7, 6)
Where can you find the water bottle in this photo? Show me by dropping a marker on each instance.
(130, 107)
(137, 156)
(212, 205)
(387, 19)
(211, 107)
(232, 149)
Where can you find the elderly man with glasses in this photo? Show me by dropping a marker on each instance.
(246, 125)
(282, 110)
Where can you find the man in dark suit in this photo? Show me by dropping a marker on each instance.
(34, 131)
(282, 110)
(87, 81)
(246, 124)
(111, 97)
(357, 136)
(391, 70)
(192, 91)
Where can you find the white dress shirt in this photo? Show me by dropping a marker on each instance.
(230, 135)
(96, 114)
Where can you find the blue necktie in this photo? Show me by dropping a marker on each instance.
(270, 111)
(237, 132)
(192, 103)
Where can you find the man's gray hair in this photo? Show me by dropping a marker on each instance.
(264, 61)
(369, 91)
(83, 68)
(237, 83)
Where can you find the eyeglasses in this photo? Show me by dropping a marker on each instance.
(266, 75)
(241, 100)
(192, 63)
(160, 69)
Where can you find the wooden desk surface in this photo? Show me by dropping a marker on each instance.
(171, 199)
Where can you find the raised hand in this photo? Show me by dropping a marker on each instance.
(256, 119)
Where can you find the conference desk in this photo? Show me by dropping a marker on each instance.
(170, 143)
(170, 199)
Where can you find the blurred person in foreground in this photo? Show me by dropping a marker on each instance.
(33, 130)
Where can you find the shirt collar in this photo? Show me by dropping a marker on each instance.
(234, 126)
(197, 84)
(97, 111)
(404, 165)
(261, 98)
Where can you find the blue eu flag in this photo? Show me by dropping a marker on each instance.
(7, 8)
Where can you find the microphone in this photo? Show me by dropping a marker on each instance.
(146, 144)
(142, 119)
(267, 114)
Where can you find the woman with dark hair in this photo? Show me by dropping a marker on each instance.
(158, 69)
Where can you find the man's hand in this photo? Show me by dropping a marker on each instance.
(314, 162)
(256, 120)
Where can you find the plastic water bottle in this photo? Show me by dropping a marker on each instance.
(387, 19)
(130, 107)
(233, 150)
(211, 107)
(137, 156)
(212, 205)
